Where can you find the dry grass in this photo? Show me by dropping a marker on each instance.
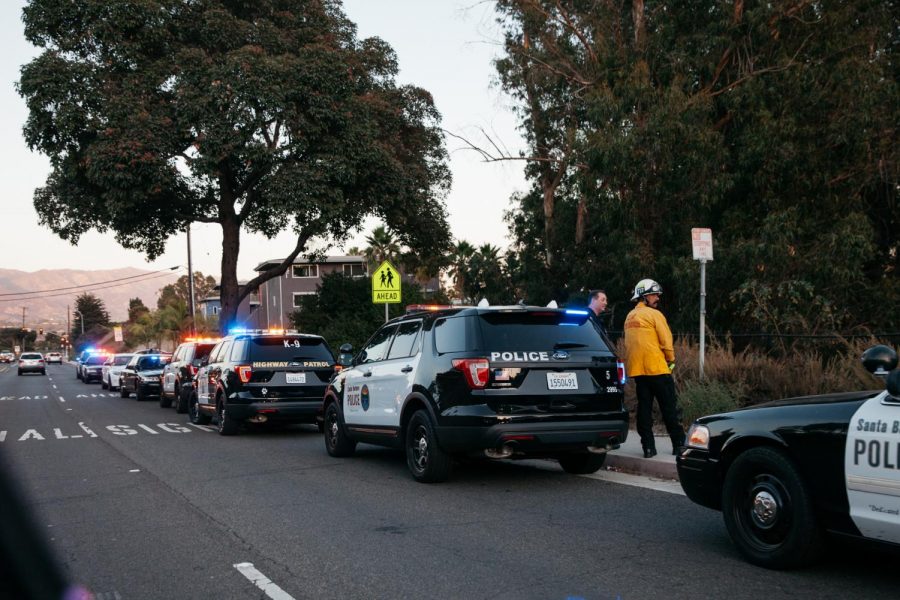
(750, 376)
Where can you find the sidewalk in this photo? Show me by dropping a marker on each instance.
(630, 458)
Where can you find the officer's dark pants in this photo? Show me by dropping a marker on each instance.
(661, 387)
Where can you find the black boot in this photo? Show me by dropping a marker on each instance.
(649, 452)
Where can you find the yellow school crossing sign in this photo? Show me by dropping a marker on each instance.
(386, 284)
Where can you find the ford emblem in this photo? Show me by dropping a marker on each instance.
(560, 355)
(264, 391)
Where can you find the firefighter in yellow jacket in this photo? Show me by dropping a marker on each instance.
(650, 359)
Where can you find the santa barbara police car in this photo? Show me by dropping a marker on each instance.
(787, 472)
(501, 382)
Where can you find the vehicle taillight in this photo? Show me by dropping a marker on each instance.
(244, 372)
(476, 370)
(620, 371)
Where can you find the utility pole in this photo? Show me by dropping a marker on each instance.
(68, 330)
(191, 281)
(23, 317)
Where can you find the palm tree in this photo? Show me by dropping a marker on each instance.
(460, 266)
(382, 246)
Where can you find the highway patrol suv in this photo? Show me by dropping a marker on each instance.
(501, 382)
(262, 376)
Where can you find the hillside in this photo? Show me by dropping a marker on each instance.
(49, 310)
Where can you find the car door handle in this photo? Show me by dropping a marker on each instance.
(406, 369)
(367, 374)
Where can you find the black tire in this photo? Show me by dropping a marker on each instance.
(20, 372)
(769, 512)
(426, 460)
(337, 443)
(43, 371)
(139, 393)
(194, 414)
(103, 384)
(320, 425)
(182, 399)
(122, 391)
(164, 401)
(226, 424)
(582, 464)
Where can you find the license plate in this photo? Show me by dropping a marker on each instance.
(562, 381)
(296, 377)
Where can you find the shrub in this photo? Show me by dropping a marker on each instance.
(698, 398)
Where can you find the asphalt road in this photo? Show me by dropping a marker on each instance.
(137, 503)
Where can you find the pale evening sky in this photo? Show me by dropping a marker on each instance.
(444, 46)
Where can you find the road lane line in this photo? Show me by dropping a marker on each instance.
(61, 399)
(262, 582)
(201, 427)
(2, 436)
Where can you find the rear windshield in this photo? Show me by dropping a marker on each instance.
(30, 356)
(96, 359)
(122, 360)
(539, 330)
(146, 363)
(202, 350)
(293, 349)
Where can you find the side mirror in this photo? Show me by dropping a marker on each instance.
(879, 360)
(345, 358)
(893, 385)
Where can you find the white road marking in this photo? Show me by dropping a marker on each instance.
(202, 427)
(61, 399)
(134, 471)
(2, 436)
(68, 409)
(54, 386)
(86, 429)
(145, 428)
(262, 582)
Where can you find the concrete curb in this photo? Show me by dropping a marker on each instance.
(650, 467)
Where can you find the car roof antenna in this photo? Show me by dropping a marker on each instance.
(483, 303)
(552, 304)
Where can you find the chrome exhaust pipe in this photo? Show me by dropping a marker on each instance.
(598, 449)
(258, 419)
(504, 451)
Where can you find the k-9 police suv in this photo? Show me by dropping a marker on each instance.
(501, 382)
(256, 376)
(786, 472)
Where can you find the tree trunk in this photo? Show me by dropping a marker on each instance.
(549, 190)
(580, 219)
(228, 291)
(637, 13)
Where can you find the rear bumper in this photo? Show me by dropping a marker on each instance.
(31, 368)
(287, 411)
(535, 438)
(699, 477)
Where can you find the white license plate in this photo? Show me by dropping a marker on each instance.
(562, 381)
(296, 377)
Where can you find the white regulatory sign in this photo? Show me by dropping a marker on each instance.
(701, 242)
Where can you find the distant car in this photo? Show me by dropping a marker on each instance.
(53, 357)
(7, 357)
(112, 369)
(32, 362)
(92, 368)
(786, 472)
(82, 358)
(141, 375)
(178, 375)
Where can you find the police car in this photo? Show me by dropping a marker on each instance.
(787, 472)
(500, 382)
(262, 376)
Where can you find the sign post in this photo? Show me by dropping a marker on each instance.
(702, 245)
(386, 286)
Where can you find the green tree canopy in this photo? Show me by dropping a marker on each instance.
(179, 292)
(258, 116)
(773, 124)
(91, 312)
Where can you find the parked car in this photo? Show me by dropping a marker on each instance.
(258, 376)
(178, 375)
(82, 358)
(141, 376)
(7, 357)
(788, 472)
(32, 362)
(53, 357)
(112, 369)
(92, 367)
(501, 382)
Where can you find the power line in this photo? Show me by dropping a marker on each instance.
(76, 287)
(92, 290)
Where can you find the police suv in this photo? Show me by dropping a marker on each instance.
(261, 376)
(787, 472)
(501, 382)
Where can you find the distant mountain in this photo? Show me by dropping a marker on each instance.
(48, 308)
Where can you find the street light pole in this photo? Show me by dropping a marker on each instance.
(191, 281)
(81, 320)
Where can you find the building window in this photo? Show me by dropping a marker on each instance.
(355, 270)
(305, 271)
(299, 295)
(215, 310)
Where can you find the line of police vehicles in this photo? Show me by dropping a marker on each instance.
(445, 383)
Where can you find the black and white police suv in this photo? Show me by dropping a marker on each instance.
(261, 376)
(501, 382)
(787, 472)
